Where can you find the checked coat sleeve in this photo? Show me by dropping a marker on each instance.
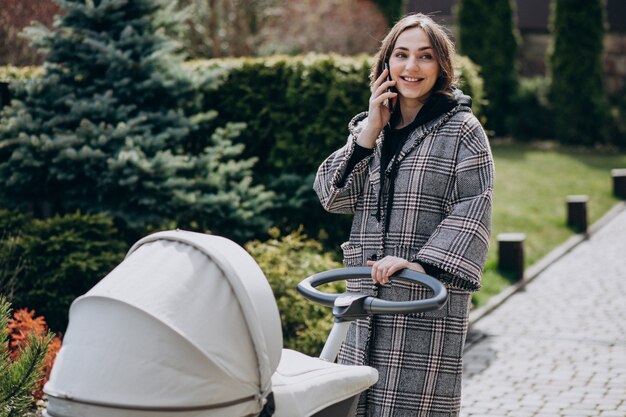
(336, 198)
(459, 243)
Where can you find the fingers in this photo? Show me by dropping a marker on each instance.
(379, 102)
(398, 266)
(379, 105)
(381, 78)
(384, 97)
(383, 269)
(381, 85)
(382, 90)
(417, 267)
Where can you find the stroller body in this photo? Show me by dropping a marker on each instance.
(187, 326)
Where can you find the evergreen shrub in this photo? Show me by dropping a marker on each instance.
(296, 109)
(53, 261)
(22, 327)
(534, 119)
(488, 36)
(392, 9)
(287, 260)
(21, 370)
(577, 95)
(618, 113)
(471, 82)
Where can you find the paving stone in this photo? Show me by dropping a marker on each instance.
(558, 348)
(612, 414)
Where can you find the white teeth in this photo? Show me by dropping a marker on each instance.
(409, 79)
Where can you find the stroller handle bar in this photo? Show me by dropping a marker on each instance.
(373, 305)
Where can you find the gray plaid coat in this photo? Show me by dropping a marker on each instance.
(440, 215)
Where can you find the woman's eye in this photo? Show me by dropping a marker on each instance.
(427, 57)
(400, 55)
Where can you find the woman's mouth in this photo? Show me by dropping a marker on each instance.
(412, 80)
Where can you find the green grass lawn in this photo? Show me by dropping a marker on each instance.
(532, 183)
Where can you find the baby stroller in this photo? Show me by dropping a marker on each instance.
(187, 326)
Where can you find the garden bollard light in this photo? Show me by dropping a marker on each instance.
(619, 182)
(511, 253)
(577, 212)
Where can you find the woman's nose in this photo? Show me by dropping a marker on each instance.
(412, 63)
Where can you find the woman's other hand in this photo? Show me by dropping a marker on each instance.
(383, 269)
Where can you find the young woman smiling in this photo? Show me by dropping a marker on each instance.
(417, 174)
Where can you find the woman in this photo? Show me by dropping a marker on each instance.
(417, 173)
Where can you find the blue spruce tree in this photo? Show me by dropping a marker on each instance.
(113, 126)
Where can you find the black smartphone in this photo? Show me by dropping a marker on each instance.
(390, 89)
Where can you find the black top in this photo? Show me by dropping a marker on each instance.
(434, 107)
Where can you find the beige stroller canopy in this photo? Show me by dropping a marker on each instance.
(187, 325)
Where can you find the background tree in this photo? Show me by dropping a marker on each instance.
(15, 15)
(220, 28)
(488, 36)
(392, 9)
(112, 127)
(347, 27)
(577, 92)
(217, 28)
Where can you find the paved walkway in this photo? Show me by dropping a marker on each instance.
(558, 347)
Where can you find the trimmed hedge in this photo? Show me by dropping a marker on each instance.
(471, 82)
(296, 108)
(48, 263)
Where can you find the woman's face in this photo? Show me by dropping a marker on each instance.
(413, 65)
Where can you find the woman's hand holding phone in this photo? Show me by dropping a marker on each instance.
(379, 109)
(390, 103)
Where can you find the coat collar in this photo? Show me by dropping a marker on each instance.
(416, 137)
